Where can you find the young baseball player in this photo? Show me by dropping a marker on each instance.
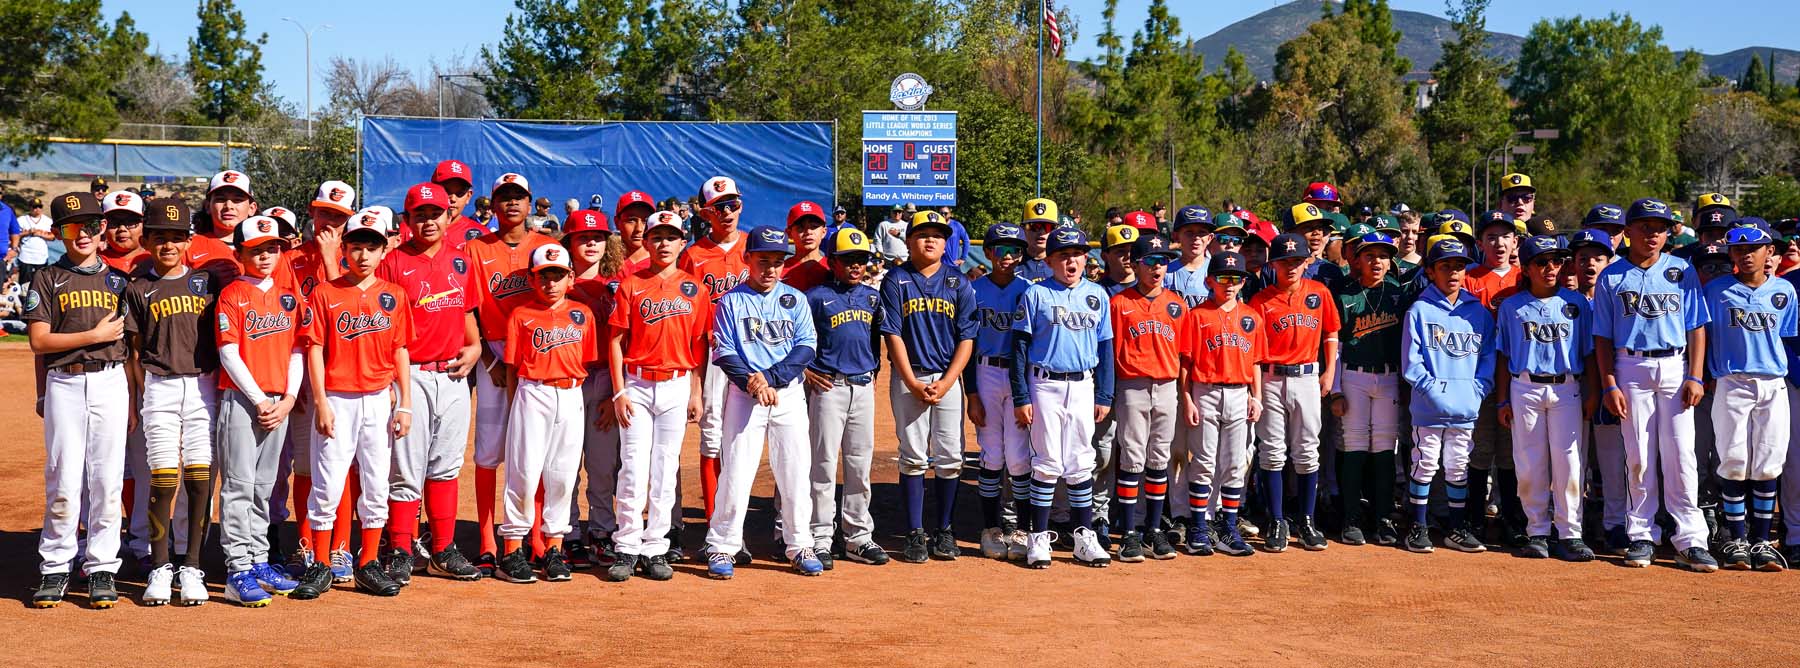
(1040, 220)
(1750, 411)
(763, 339)
(1221, 342)
(597, 267)
(1447, 357)
(1498, 235)
(458, 183)
(660, 328)
(124, 250)
(718, 262)
(1115, 257)
(1144, 321)
(550, 344)
(630, 215)
(1005, 444)
(1298, 370)
(173, 359)
(806, 229)
(76, 325)
(928, 316)
(1371, 303)
(439, 292)
(229, 202)
(1062, 373)
(1649, 347)
(841, 392)
(1193, 237)
(362, 398)
(1543, 338)
(500, 262)
(259, 325)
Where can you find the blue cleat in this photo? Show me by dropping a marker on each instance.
(720, 566)
(806, 562)
(272, 579)
(241, 588)
(342, 568)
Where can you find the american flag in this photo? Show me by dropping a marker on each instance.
(1051, 30)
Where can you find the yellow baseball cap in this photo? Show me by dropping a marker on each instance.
(1712, 201)
(1120, 235)
(850, 240)
(1040, 210)
(1305, 214)
(1516, 181)
(1455, 228)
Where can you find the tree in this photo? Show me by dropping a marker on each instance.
(226, 65)
(287, 166)
(1729, 136)
(1755, 79)
(1468, 115)
(631, 59)
(57, 69)
(1378, 29)
(1775, 198)
(375, 89)
(155, 89)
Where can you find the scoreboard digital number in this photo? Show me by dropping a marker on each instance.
(888, 163)
(909, 157)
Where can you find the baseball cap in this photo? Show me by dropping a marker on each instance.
(908, 207)
(1065, 238)
(1305, 214)
(230, 178)
(1516, 181)
(924, 219)
(99, 183)
(1356, 231)
(1718, 216)
(427, 194)
(1120, 235)
(337, 196)
(256, 231)
(1753, 221)
(1747, 236)
(1386, 222)
(839, 209)
(1192, 214)
(1604, 214)
(1228, 263)
(586, 220)
(1289, 245)
(718, 188)
(1447, 249)
(1649, 208)
(1496, 217)
(453, 170)
(664, 219)
(549, 256)
(1543, 244)
(1375, 239)
(1152, 244)
(1003, 233)
(1713, 201)
(1591, 237)
(1399, 208)
(634, 198)
(123, 200)
(1320, 191)
(805, 210)
(1040, 210)
(1225, 221)
(1448, 215)
(169, 213)
(373, 222)
(849, 240)
(1144, 221)
(290, 223)
(511, 179)
(1459, 229)
(1338, 223)
(74, 207)
(768, 240)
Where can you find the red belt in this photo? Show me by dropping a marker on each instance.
(560, 383)
(440, 366)
(654, 375)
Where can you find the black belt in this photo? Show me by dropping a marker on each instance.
(1225, 385)
(1546, 379)
(1386, 368)
(1002, 362)
(1046, 374)
(79, 368)
(1292, 370)
(1665, 352)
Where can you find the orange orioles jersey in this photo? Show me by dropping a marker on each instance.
(265, 325)
(718, 269)
(597, 295)
(546, 342)
(501, 276)
(360, 329)
(666, 320)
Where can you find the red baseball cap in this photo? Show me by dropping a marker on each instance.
(427, 193)
(452, 170)
(1140, 220)
(586, 220)
(805, 210)
(634, 198)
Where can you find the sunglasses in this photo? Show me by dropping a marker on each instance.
(1523, 198)
(1548, 262)
(1716, 267)
(79, 230)
(1227, 279)
(1008, 251)
(728, 206)
(1230, 240)
(856, 258)
(1156, 261)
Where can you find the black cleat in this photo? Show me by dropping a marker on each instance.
(869, 553)
(102, 594)
(450, 563)
(1307, 530)
(51, 590)
(515, 567)
(943, 545)
(656, 568)
(400, 566)
(622, 567)
(916, 551)
(486, 564)
(1418, 539)
(556, 565)
(1352, 535)
(1277, 538)
(1575, 550)
(372, 578)
(314, 582)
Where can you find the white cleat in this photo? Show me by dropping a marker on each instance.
(993, 543)
(193, 585)
(160, 585)
(1037, 548)
(1088, 551)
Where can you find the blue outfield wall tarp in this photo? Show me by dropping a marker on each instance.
(127, 159)
(775, 164)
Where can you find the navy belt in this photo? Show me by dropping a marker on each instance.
(1665, 352)
(1002, 362)
(1292, 370)
(853, 379)
(1046, 374)
(1545, 379)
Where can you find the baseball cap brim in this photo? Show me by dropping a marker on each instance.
(334, 206)
(915, 227)
(372, 235)
(1365, 245)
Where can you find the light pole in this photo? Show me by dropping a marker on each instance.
(308, 35)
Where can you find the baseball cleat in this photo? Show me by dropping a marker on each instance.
(1103, 534)
(1352, 535)
(1640, 553)
(1015, 544)
(580, 556)
(313, 583)
(1536, 547)
(720, 566)
(1199, 543)
(102, 594)
(343, 568)
(1696, 559)
(1386, 533)
(399, 565)
(486, 564)
(1617, 542)
(1131, 548)
(1277, 540)
(1088, 551)
(825, 556)
(916, 550)
(1248, 528)
(515, 567)
(1160, 548)
(1764, 557)
(1576, 550)
(1418, 539)
(272, 579)
(656, 568)
(943, 545)
(742, 558)
(1463, 539)
(51, 590)
(1734, 555)
(192, 584)
(1037, 548)
(622, 568)
(869, 553)
(159, 586)
(1231, 544)
(993, 543)
(556, 565)
(1311, 538)
(450, 563)
(298, 560)
(241, 588)
(807, 563)
(421, 552)
(374, 579)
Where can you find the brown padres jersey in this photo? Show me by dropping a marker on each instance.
(71, 301)
(173, 320)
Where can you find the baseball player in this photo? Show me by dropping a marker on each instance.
(171, 369)
(1115, 257)
(1314, 229)
(439, 292)
(550, 344)
(718, 262)
(660, 331)
(124, 249)
(1221, 343)
(1543, 337)
(763, 338)
(630, 214)
(1040, 220)
(1144, 319)
(807, 230)
(1447, 350)
(229, 202)
(76, 324)
(500, 262)
(259, 323)
(841, 392)
(362, 399)
(1004, 444)
(928, 316)
(1063, 365)
(1649, 347)
(1193, 236)
(587, 235)
(1371, 303)
(1497, 276)
(1749, 367)
(457, 181)
(1298, 370)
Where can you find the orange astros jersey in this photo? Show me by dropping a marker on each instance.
(1491, 286)
(666, 320)
(1298, 322)
(1222, 347)
(718, 269)
(1144, 333)
(360, 329)
(501, 275)
(265, 325)
(550, 342)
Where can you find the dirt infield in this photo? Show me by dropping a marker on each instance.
(1344, 606)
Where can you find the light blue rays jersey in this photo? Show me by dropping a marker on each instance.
(1067, 324)
(1745, 336)
(1550, 336)
(997, 308)
(1649, 309)
(1189, 283)
(761, 328)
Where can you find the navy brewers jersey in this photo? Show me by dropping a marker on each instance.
(1745, 336)
(997, 308)
(930, 314)
(761, 328)
(1066, 323)
(844, 316)
(1547, 336)
(1190, 283)
(1649, 308)
(1034, 270)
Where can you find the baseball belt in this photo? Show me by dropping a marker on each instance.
(79, 368)
(1292, 370)
(1001, 362)
(1046, 374)
(1544, 379)
(853, 379)
(1384, 368)
(559, 383)
(1665, 352)
(440, 366)
(654, 375)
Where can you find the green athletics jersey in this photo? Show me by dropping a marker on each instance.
(1680, 240)
(1370, 336)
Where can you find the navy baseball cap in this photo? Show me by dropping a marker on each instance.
(1747, 236)
(1604, 214)
(1152, 244)
(1288, 245)
(1447, 249)
(1716, 217)
(1591, 237)
(1064, 238)
(1448, 215)
(1701, 251)
(1003, 233)
(1193, 214)
(1649, 208)
(1376, 240)
(1226, 263)
(1753, 221)
(1495, 217)
(1543, 244)
(768, 240)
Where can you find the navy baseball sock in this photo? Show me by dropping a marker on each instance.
(1156, 496)
(1506, 483)
(1476, 493)
(1021, 497)
(1125, 492)
(1308, 492)
(1230, 500)
(989, 490)
(1352, 472)
(1271, 489)
(1042, 492)
(1418, 500)
(945, 491)
(1380, 476)
(1762, 508)
(1081, 503)
(1731, 504)
(1200, 495)
(912, 493)
(1458, 494)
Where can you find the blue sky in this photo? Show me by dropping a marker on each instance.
(414, 32)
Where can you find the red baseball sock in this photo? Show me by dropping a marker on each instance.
(127, 498)
(321, 537)
(371, 546)
(440, 508)
(537, 523)
(346, 511)
(709, 482)
(484, 507)
(299, 493)
(403, 520)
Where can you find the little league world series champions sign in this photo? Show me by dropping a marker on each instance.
(909, 156)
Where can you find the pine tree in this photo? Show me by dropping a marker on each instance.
(1755, 79)
(1468, 114)
(226, 65)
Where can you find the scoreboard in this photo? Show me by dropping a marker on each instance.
(909, 156)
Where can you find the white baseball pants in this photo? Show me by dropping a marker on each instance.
(649, 452)
(784, 427)
(1441, 448)
(492, 406)
(712, 411)
(359, 424)
(1371, 410)
(1221, 443)
(1547, 449)
(1062, 429)
(1750, 423)
(1289, 427)
(1005, 446)
(543, 445)
(177, 417)
(84, 465)
(1790, 473)
(1659, 450)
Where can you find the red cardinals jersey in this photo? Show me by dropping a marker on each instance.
(1144, 331)
(133, 263)
(440, 293)
(804, 275)
(597, 295)
(1488, 285)
(1222, 346)
(1297, 322)
(361, 329)
(502, 273)
(265, 325)
(463, 231)
(667, 320)
(547, 342)
(718, 269)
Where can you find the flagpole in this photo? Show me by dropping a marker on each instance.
(1041, 9)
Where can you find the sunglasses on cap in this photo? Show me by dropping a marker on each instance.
(1008, 250)
(1230, 239)
(1227, 279)
(1156, 260)
(728, 206)
(78, 230)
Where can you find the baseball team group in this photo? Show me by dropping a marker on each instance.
(1346, 361)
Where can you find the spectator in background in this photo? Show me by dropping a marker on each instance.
(484, 213)
(1075, 215)
(11, 307)
(570, 206)
(1161, 213)
(890, 237)
(540, 219)
(839, 218)
(958, 244)
(9, 235)
(99, 188)
(35, 234)
(597, 203)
